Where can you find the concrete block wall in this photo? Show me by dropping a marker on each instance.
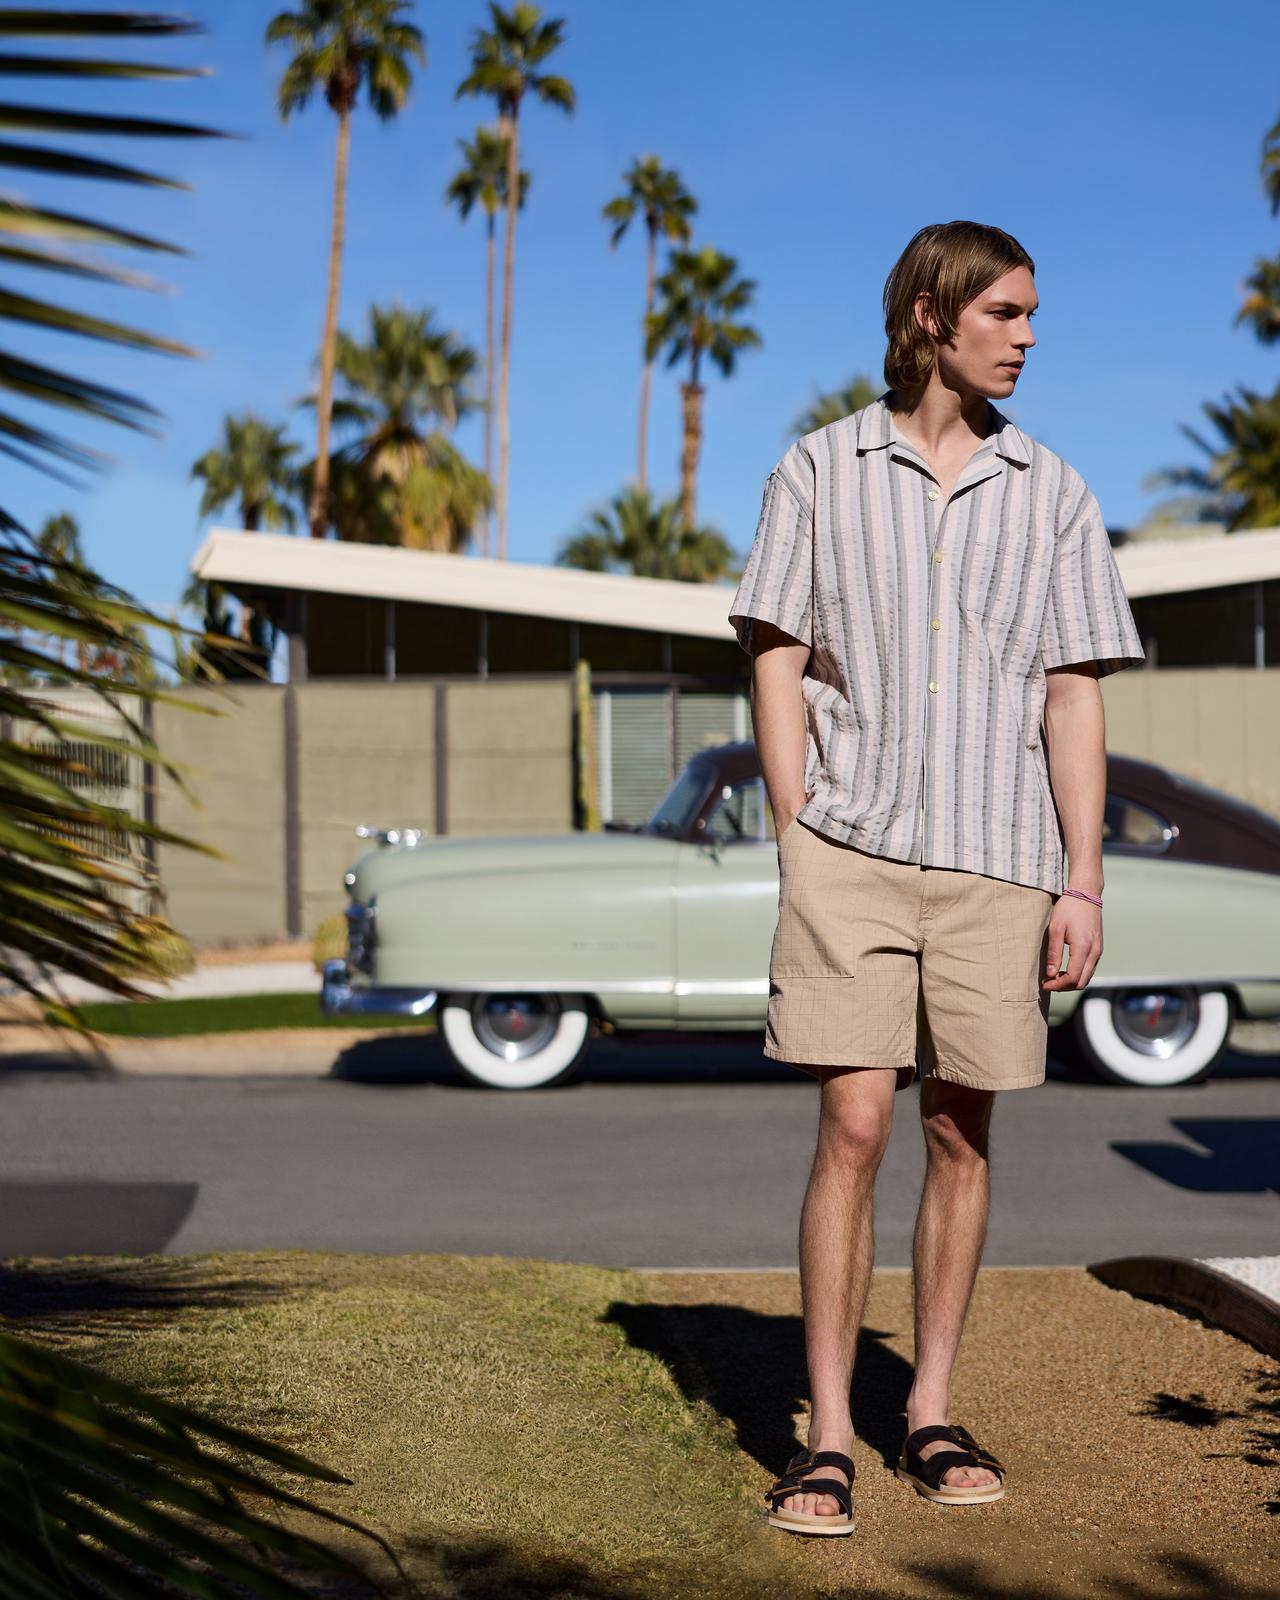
(233, 763)
(366, 753)
(509, 757)
(1218, 724)
(487, 757)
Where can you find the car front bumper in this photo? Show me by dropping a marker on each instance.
(344, 993)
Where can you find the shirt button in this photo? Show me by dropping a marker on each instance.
(933, 494)
(937, 555)
(937, 623)
(933, 687)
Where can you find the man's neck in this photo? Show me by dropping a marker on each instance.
(942, 419)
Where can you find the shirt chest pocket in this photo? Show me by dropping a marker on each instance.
(999, 580)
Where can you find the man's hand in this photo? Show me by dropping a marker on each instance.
(1078, 924)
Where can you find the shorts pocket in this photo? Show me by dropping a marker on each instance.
(1021, 914)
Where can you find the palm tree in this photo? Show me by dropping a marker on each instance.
(398, 481)
(1261, 305)
(647, 539)
(701, 298)
(1239, 485)
(252, 468)
(483, 178)
(834, 404)
(342, 46)
(666, 205)
(91, 1468)
(59, 540)
(504, 64)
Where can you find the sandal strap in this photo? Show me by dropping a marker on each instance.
(832, 1486)
(922, 1436)
(984, 1457)
(792, 1479)
(934, 1468)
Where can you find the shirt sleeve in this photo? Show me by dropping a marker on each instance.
(1087, 617)
(777, 582)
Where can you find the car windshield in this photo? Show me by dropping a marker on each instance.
(738, 812)
(682, 801)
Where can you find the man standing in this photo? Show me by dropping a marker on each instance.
(929, 602)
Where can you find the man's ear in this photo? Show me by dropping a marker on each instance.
(924, 313)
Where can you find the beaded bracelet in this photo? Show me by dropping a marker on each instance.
(1093, 899)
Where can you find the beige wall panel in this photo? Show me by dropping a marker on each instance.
(1218, 724)
(236, 776)
(366, 754)
(493, 716)
(510, 757)
(529, 792)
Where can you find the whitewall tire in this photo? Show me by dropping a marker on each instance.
(515, 1041)
(1153, 1038)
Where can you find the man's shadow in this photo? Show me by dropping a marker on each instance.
(750, 1367)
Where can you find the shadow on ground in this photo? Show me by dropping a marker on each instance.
(1237, 1155)
(1197, 1412)
(716, 1353)
(104, 1297)
(648, 1058)
(490, 1569)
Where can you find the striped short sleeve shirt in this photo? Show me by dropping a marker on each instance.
(930, 626)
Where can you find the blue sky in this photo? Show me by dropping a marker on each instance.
(1118, 143)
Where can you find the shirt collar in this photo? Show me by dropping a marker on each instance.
(876, 429)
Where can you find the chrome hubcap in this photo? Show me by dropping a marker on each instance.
(513, 1026)
(1155, 1022)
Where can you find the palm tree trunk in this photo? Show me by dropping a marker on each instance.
(490, 255)
(691, 406)
(512, 131)
(648, 365)
(317, 513)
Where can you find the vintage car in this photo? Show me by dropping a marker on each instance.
(524, 946)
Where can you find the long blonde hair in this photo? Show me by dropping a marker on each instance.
(952, 262)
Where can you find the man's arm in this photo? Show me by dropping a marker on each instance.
(1075, 731)
(777, 713)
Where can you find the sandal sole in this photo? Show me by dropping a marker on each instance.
(818, 1525)
(956, 1497)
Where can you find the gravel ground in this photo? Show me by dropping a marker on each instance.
(1141, 1444)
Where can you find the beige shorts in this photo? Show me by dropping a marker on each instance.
(885, 963)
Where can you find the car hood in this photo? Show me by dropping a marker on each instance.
(492, 855)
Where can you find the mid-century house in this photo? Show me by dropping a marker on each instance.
(667, 673)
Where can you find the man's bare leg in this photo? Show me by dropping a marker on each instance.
(836, 1248)
(951, 1228)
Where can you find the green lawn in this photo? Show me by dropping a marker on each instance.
(500, 1420)
(168, 1019)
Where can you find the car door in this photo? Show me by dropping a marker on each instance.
(726, 911)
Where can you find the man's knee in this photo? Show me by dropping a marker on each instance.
(956, 1122)
(857, 1115)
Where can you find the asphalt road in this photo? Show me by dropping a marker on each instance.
(670, 1154)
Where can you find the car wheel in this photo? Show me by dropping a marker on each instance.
(1153, 1038)
(515, 1041)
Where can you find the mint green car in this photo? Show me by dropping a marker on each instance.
(522, 947)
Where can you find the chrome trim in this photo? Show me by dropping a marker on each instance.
(339, 997)
(408, 838)
(1183, 982)
(751, 986)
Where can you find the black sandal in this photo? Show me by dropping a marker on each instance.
(790, 1483)
(925, 1473)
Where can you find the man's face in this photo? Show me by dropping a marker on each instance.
(992, 337)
